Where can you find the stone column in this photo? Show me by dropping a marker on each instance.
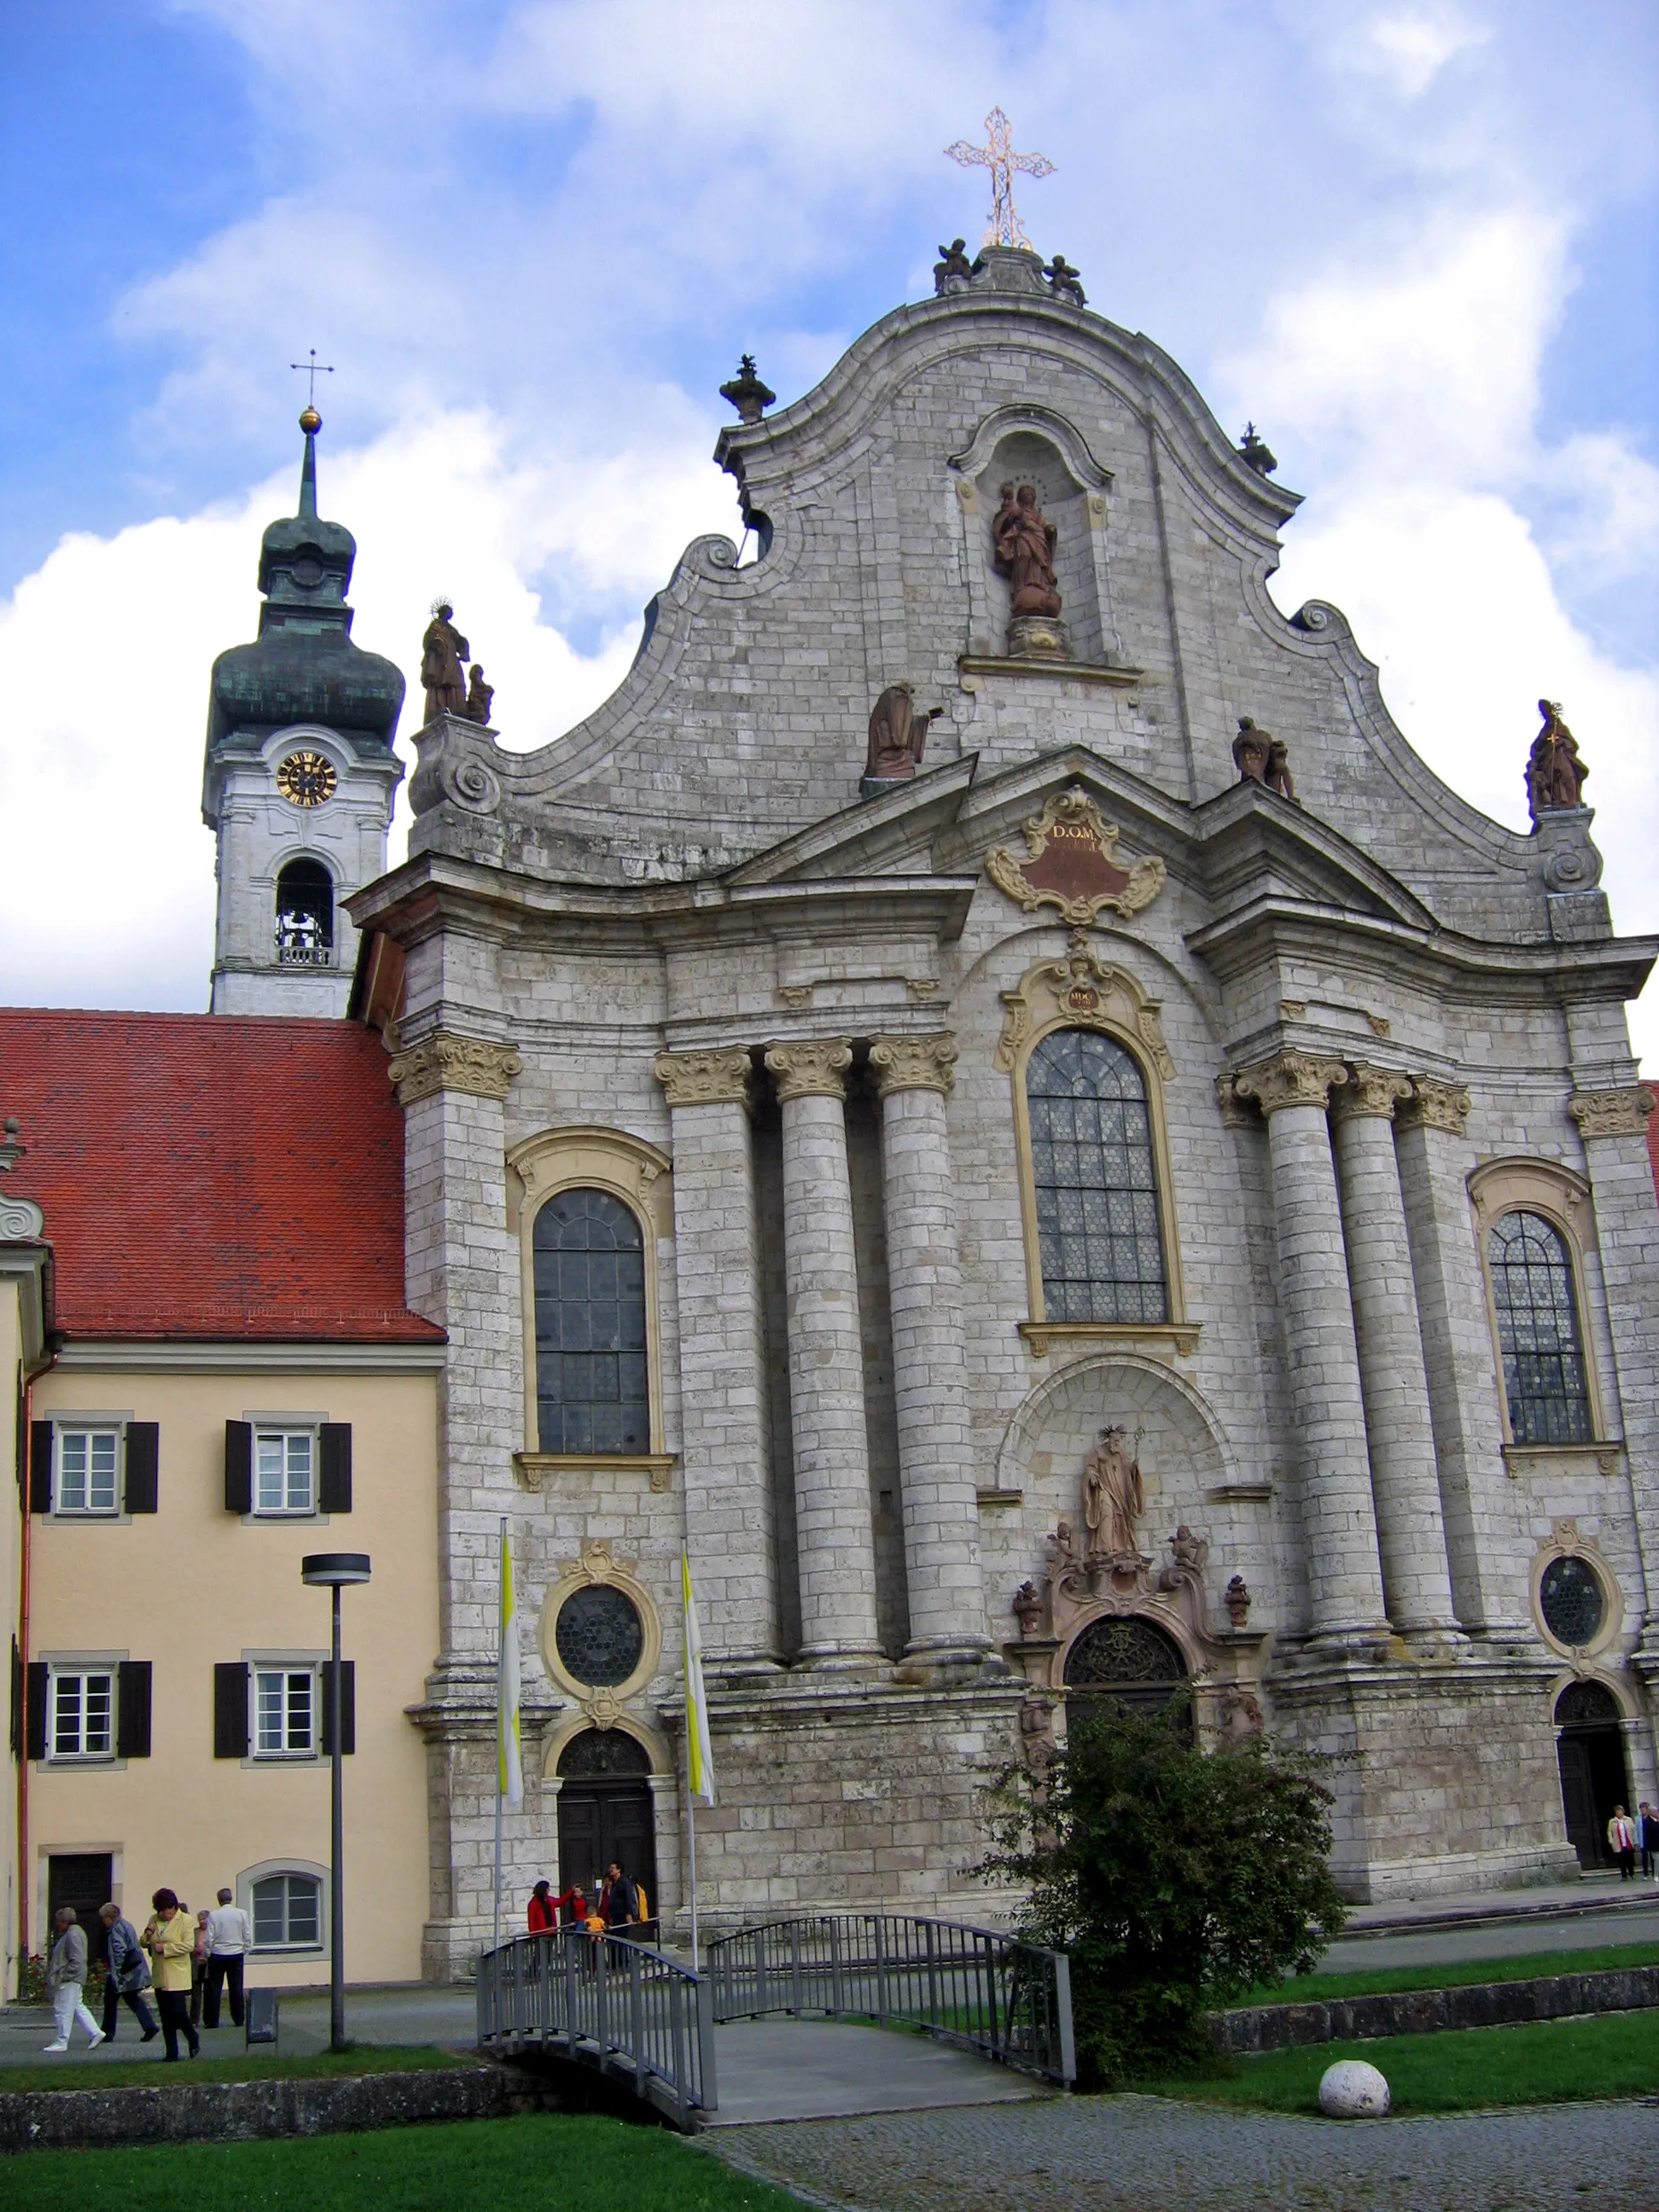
(1405, 1481)
(1327, 1411)
(461, 1270)
(833, 1539)
(1436, 1160)
(1613, 1124)
(930, 1363)
(728, 1492)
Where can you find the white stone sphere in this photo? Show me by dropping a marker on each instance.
(1351, 2090)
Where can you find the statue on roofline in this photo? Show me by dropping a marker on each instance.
(443, 650)
(480, 696)
(1555, 775)
(897, 734)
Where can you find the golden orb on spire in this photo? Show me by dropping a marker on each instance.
(310, 421)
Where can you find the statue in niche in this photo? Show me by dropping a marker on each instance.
(953, 270)
(1555, 775)
(443, 649)
(1024, 544)
(1064, 281)
(897, 734)
(480, 696)
(1114, 1498)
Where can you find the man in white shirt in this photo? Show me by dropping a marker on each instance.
(230, 1940)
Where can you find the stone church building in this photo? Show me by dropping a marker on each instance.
(990, 1093)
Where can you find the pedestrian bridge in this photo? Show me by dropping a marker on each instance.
(640, 2017)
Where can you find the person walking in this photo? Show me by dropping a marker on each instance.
(1622, 1836)
(66, 1977)
(128, 1976)
(1647, 1823)
(230, 1940)
(170, 1939)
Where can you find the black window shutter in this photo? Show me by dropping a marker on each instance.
(37, 1710)
(143, 1465)
(17, 1700)
(334, 1488)
(348, 1707)
(238, 1466)
(230, 1710)
(132, 1710)
(40, 1468)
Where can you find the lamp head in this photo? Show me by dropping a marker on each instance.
(334, 1570)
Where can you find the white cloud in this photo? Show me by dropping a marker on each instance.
(1411, 45)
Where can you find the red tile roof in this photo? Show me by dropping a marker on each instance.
(205, 1176)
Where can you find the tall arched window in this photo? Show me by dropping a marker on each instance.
(593, 1387)
(1533, 1295)
(305, 915)
(1095, 1186)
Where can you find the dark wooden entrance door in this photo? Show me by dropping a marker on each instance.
(599, 1821)
(1594, 1781)
(86, 1881)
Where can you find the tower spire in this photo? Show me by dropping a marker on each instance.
(311, 422)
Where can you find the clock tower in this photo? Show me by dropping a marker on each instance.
(300, 774)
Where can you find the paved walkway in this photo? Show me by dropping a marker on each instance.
(785, 2070)
(1133, 2153)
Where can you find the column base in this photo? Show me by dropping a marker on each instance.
(1432, 1637)
(945, 1663)
(840, 1659)
(744, 1667)
(1373, 1642)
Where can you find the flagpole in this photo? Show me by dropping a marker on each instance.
(691, 1838)
(501, 1721)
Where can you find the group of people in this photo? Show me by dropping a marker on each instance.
(1626, 1836)
(187, 1964)
(618, 1901)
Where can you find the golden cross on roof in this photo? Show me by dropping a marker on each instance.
(999, 158)
(316, 368)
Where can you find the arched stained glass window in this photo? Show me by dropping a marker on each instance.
(593, 1390)
(1532, 1289)
(1098, 1231)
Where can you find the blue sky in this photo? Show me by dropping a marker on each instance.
(1414, 239)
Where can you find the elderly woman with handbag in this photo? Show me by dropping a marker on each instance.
(170, 1939)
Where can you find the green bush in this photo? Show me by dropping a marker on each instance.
(1176, 1879)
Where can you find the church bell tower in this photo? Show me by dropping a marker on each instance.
(300, 774)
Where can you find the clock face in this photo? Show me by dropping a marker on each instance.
(306, 779)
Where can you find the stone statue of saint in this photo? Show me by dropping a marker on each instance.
(897, 734)
(1555, 775)
(442, 651)
(1025, 552)
(1065, 282)
(1114, 1498)
(953, 270)
(480, 696)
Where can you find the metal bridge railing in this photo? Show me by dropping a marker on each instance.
(607, 2002)
(971, 1986)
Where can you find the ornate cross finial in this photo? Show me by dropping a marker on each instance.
(314, 368)
(999, 158)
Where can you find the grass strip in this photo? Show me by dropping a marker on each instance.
(1457, 1973)
(550, 2162)
(1543, 2063)
(92, 2070)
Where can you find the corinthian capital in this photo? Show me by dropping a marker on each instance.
(442, 1062)
(1371, 1091)
(1290, 1079)
(705, 1079)
(1434, 1105)
(1612, 1113)
(815, 1068)
(913, 1063)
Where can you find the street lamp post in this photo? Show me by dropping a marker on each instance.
(333, 1571)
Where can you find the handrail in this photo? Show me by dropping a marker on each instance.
(975, 1987)
(605, 2002)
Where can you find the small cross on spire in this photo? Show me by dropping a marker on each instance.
(314, 368)
(999, 158)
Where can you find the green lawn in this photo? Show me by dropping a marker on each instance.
(1616, 2055)
(1313, 1988)
(542, 2164)
(90, 2071)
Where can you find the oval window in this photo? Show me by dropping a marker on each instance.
(1572, 1601)
(600, 1636)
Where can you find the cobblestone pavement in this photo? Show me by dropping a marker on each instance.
(1147, 2155)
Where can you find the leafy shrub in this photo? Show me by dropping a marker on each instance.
(1177, 1878)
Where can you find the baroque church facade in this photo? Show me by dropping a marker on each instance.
(989, 1094)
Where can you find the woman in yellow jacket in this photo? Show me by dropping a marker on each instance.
(170, 1939)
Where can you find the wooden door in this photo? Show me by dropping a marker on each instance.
(84, 1880)
(1578, 1800)
(602, 1820)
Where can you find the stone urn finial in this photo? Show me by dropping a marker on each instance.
(1238, 1597)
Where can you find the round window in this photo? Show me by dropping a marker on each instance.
(600, 1636)
(1572, 1601)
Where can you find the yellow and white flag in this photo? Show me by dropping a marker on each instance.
(510, 1782)
(699, 1758)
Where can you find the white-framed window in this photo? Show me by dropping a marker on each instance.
(88, 1470)
(287, 1910)
(285, 1471)
(82, 1713)
(285, 1711)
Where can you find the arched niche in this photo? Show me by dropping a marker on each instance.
(1034, 446)
(1054, 1432)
